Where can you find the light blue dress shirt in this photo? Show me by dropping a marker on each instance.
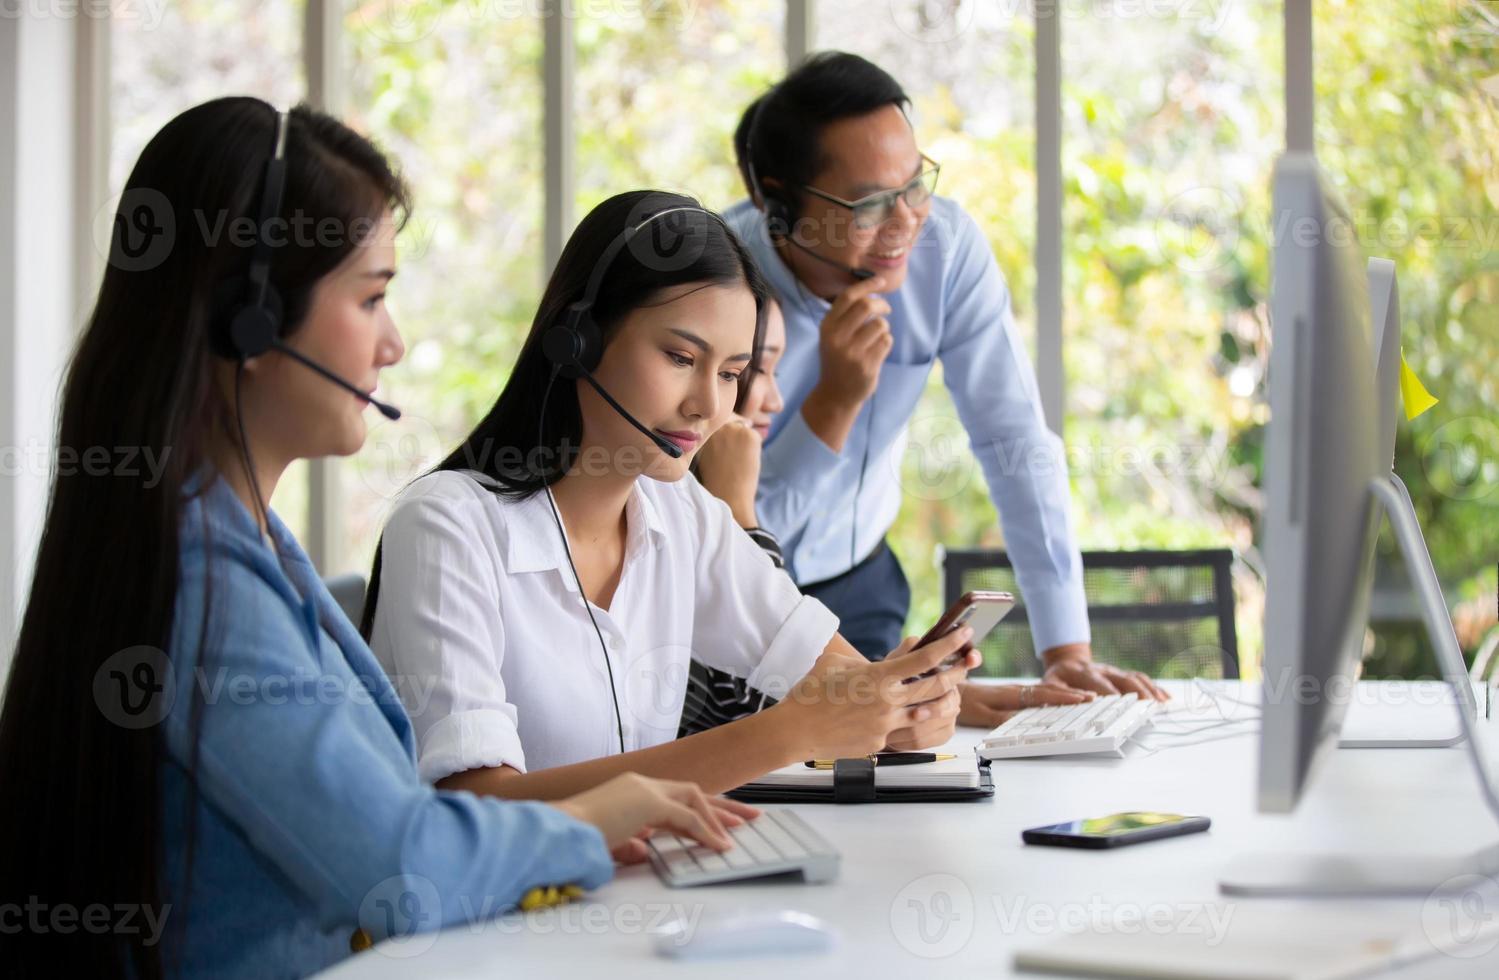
(953, 306)
(310, 817)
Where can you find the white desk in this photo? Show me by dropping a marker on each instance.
(903, 865)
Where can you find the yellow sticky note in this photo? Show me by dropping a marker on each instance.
(1417, 399)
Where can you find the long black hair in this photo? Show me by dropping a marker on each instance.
(545, 447)
(82, 822)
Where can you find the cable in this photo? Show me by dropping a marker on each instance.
(1201, 685)
(859, 274)
(619, 724)
(1153, 749)
(1203, 725)
(244, 451)
(1219, 701)
(853, 533)
(1194, 735)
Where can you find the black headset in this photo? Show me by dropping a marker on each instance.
(778, 213)
(575, 344)
(249, 312)
(779, 216)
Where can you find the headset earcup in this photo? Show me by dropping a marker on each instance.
(590, 342)
(243, 329)
(573, 345)
(777, 216)
(251, 332)
(560, 346)
(227, 298)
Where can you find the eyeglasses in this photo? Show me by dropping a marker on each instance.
(877, 207)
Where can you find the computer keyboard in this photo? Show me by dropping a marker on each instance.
(776, 842)
(1097, 727)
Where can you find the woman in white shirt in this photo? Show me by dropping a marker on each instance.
(474, 607)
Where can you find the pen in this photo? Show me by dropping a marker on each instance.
(886, 759)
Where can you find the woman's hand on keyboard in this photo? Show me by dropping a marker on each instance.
(627, 808)
(845, 707)
(991, 705)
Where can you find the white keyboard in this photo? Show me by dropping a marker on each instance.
(776, 842)
(1097, 727)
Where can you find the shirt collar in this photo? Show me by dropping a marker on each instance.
(229, 516)
(749, 223)
(788, 288)
(535, 544)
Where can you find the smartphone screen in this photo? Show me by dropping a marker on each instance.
(1116, 829)
(980, 610)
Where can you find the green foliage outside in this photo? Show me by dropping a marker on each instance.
(1171, 127)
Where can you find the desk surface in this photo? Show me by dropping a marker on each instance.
(948, 889)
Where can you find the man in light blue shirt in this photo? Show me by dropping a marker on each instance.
(879, 279)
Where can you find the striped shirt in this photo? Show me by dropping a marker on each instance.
(716, 697)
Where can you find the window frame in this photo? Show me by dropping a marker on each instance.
(323, 36)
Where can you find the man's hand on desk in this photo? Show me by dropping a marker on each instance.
(1072, 665)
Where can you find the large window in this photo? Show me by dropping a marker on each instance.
(970, 72)
(453, 92)
(1408, 126)
(1172, 118)
(659, 95)
(166, 58)
(1168, 145)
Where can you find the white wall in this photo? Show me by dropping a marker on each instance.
(40, 252)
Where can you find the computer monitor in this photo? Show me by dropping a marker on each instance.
(1329, 482)
(1384, 319)
(1321, 455)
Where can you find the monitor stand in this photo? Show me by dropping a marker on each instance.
(1384, 873)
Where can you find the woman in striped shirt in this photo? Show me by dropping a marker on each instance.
(728, 466)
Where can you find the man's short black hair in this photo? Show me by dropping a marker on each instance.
(780, 131)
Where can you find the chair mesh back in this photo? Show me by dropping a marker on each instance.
(1169, 614)
(348, 592)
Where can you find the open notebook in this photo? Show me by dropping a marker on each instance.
(959, 773)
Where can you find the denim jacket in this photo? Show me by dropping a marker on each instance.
(310, 819)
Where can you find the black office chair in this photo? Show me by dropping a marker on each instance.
(348, 592)
(1168, 613)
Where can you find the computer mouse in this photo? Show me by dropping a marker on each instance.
(780, 932)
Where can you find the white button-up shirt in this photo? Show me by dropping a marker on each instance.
(482, 627)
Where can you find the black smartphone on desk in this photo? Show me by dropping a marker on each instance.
(1115, 830)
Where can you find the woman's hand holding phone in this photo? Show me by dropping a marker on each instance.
(946, 678)
(845, 708)
(980, 611)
